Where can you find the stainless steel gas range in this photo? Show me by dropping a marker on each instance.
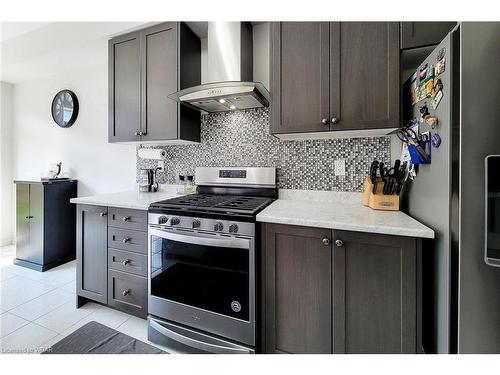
(202, 262)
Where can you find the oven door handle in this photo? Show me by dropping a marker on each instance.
(194, 343)
(238, 243)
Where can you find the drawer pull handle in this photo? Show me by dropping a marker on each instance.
(126, 262)
(103, 214)
(126, 292)
(125, 240)
(29, 217)
(126, 218)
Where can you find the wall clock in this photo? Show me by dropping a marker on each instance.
(65, 108)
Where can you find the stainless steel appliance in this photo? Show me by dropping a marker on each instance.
(202, 256)
(229, 83)
(461, 308)
(147, 180)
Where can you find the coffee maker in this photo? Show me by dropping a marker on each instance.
(147, 180)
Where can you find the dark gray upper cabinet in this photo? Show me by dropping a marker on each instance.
(145, 67)
(124, 88)
(421, 34)
(367, 79)
(335, 291)
(334, 76)
(298, 289)
(299, 76)
(91, 253)
(375, 288)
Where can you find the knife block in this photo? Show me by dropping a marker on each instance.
(379, 201)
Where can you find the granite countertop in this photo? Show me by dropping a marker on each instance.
(126, 199)
(344, 212)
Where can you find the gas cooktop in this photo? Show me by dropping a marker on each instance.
(215, 203)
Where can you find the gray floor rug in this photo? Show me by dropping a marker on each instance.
(95, 338)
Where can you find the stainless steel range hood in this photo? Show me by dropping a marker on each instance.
(229, 84)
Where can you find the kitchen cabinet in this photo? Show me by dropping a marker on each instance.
(375, 293)
(339, 292)
(144, 68)
(45, 223)
(298, 289)
(91, 254)
(333, 76)
(421, 34)
(112, 258)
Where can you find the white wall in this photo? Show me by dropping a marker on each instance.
(83, 148)
(6, 186)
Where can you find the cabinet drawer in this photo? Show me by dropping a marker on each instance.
(127, 261)
(128, 292)
(128, 219)
(130, 240)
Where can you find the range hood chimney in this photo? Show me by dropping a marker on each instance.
(229, 83)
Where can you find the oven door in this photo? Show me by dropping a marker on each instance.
(202, 280)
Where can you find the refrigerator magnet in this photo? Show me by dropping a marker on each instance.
(437, 99)
(440, 67)
(440, 54)
(436, 140)
(431, 120)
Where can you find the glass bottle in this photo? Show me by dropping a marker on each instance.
(181, 188)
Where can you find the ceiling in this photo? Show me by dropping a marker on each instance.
(33, 50)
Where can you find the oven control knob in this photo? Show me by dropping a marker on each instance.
(162, 220)
(196, 223)
(175, 221)
(218, 226)
(233, 228)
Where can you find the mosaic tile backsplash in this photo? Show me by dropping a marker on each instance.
(242, 139)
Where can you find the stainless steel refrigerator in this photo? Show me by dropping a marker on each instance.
(461, 292)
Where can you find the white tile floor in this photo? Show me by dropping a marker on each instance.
(37, 309)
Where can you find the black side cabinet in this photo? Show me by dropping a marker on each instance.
(45, 223)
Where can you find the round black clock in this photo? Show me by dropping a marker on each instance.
(65, 108)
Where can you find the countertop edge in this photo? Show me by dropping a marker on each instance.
(429, 234)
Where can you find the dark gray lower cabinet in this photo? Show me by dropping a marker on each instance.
(112, 258)
(91, 253)
(375, 294)
(298, 298)
(339, 292)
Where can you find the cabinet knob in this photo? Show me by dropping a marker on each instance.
(324, 121)
(125, 240)
(126, 218)
(103, 214)
(339, 243)
(29, 217)
(126, 261)
(126, 292)
(335, 120)
(326, 241)
(138, 134)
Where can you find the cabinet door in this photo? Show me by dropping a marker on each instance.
(124, 88)
(368, 82)
(299, 77)
(375, 294)
(297, 289)
(22, 221)
(36, 223)
(420, 34)
(159, 80)
(91, 252)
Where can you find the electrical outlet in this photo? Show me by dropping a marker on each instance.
(340, 167)
(161, 164)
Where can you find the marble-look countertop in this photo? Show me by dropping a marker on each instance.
(342, 211)
(126, 199)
